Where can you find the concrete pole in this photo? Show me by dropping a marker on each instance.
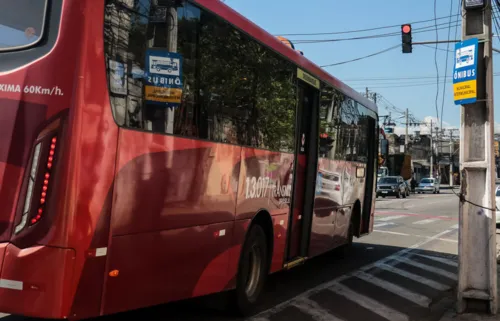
(477, 269)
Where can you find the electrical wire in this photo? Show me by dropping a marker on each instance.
(375, 36)
(446, 67)
(397, 78)
(435, 59)
(358, 30)
(360, 58)
(462, 198)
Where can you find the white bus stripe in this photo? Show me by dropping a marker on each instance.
(396, 289)
(3, 315)
(313, 309)
(439, 259)
(429, 268)
(369, 303)
(414, 277)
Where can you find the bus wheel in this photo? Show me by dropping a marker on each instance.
(346, 248)
(252, 271)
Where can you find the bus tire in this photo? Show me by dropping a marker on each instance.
(347, 248)
(252, 271)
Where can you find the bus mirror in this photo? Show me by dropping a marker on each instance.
(384, 146)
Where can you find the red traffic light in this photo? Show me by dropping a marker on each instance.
(406, 28)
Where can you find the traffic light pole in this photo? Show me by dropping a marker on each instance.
(477, 279)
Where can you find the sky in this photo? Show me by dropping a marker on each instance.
(381, 73)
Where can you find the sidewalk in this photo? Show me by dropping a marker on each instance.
(451, 314)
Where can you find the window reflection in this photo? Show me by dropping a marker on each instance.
(344, 127)
(234, 90)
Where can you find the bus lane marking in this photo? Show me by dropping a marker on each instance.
(432, 269)
(427, 221)
(416, 298)
(389, 218)
(369, 303)
(439, 259)
(313, 309)
(431, 283)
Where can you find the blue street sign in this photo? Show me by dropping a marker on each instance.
(465, 72)
(163, 81)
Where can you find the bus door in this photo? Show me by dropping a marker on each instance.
(304, 170)
(369, 177)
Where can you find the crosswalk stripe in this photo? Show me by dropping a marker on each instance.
(390, 218)
(369, 303)
(383, 224)
(439, 259)
(396, 289)
(314, 310)
(427, 221)
(382, 264)
(431, 283)
(429, 268)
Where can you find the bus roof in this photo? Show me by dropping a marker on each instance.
(269, 40)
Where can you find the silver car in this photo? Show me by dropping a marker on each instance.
(428, 185)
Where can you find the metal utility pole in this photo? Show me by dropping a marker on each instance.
(452, 148)
(432, 154)
(406, 131)
(477, 279)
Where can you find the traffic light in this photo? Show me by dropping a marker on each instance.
(406, 38)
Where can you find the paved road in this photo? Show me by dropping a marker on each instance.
(399, 272)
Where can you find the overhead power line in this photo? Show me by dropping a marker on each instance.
(375, 36)
(360, 30)
(360, 58)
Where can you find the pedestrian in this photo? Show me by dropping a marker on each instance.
(413, 184)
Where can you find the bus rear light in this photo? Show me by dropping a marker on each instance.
(45, 186)
(31, 186)
(39, 179)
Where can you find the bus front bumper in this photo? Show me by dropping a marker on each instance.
(34, 281)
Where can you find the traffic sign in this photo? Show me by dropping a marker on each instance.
(465, 72)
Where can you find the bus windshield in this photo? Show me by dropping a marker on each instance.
(21, 23)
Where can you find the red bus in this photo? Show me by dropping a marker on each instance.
(158, 150)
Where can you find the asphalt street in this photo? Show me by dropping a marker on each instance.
(405, 270)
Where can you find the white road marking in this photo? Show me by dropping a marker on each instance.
(439, 259)
(414, 277)
(383, 224)
(396, 289)
(390, 232)
(432, 269)
(264, 316)
(427, 221)
(415, 235)
(369, 303)
(390, 218)
(314, 310)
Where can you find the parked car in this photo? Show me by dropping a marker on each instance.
(392, 186)
(428, 185)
